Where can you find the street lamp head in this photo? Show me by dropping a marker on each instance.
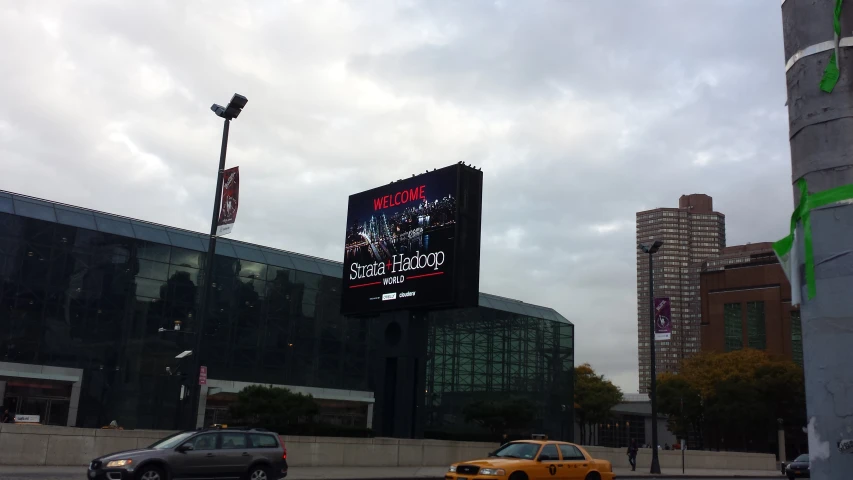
(232, 111)
(219, 110)
(651, 248)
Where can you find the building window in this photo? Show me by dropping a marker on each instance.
(755, 325)
(732, 314)
(796, 338)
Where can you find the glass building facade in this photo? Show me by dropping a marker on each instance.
(94, 309)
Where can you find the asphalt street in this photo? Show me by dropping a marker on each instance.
(79, 473)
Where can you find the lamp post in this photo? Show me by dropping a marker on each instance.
(228, 113)
(650, 249)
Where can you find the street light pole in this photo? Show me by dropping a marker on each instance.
(650, 250)
(235, 106)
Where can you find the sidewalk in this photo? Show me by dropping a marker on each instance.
(382, 473)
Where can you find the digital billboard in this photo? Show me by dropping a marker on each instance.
(414, 243)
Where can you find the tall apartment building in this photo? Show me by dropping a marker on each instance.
(691, 233)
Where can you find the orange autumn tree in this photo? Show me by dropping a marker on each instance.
(704, 371)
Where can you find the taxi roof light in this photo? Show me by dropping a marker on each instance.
(539, 436)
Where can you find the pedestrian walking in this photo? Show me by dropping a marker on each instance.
(632, 455)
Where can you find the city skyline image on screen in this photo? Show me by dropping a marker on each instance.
(400, 248)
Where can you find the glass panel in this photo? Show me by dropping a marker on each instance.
(35, 210)
(252, 269)
(733, 319)
(330, 270)
(755, 325)
(305, 265)
(76, 219)
(114, 225)
(184, 240)
(186, 258)
(182, 274)
(153, 251)
(277, 259)
(224, 248)
(247, 253)
(153, 270)
(152, 234)
(6, 205)
(483, 301)
(149, 288)
(796, 338)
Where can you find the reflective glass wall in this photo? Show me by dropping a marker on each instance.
(490, 354)
(103, 294)
(88, 299)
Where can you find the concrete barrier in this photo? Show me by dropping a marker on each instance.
(34, 445)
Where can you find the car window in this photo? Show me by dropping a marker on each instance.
(802, 458)
(203, 442)
(549, 451)
(263, 441)
(571, 452)
(233, 440)
(172, 441)
(518, 450)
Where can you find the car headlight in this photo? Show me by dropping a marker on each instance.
(492, 472)
(452, 468)
(119, 463)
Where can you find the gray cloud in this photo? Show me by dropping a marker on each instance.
(579, 113)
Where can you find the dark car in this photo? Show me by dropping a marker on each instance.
(254, 454)
(799, 468)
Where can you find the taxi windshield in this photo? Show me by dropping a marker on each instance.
(524, 450)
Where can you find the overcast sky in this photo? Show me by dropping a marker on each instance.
(579, 113)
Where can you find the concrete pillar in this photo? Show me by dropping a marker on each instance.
(74, 404)
(370, 415)
(781, 437)
(3, 392)
(820, 126)
(202, 405)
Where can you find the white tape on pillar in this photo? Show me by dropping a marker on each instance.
(818, 48)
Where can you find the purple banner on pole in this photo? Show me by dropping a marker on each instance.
(663, 319)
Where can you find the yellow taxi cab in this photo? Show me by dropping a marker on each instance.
(534, 460)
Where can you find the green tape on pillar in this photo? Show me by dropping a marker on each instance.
(830, 75)
(785, 246)
(832, 72)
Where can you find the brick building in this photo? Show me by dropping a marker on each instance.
(691, 233)
(746, 303)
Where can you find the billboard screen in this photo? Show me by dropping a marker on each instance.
(409, 244)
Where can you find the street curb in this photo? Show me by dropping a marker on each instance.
(687, 475)
(618, 477)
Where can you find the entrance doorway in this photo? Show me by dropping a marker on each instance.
(50, 400)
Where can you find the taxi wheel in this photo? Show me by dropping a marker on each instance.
(593, 476)
(518, 476)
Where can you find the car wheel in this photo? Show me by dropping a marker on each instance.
(593, 476)
(259, 472)
(518, 476)
(151, 473)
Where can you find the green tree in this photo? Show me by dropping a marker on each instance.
(734, 399)
(595, 397)
(500, 416)
(271, 407)
(681, 403)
